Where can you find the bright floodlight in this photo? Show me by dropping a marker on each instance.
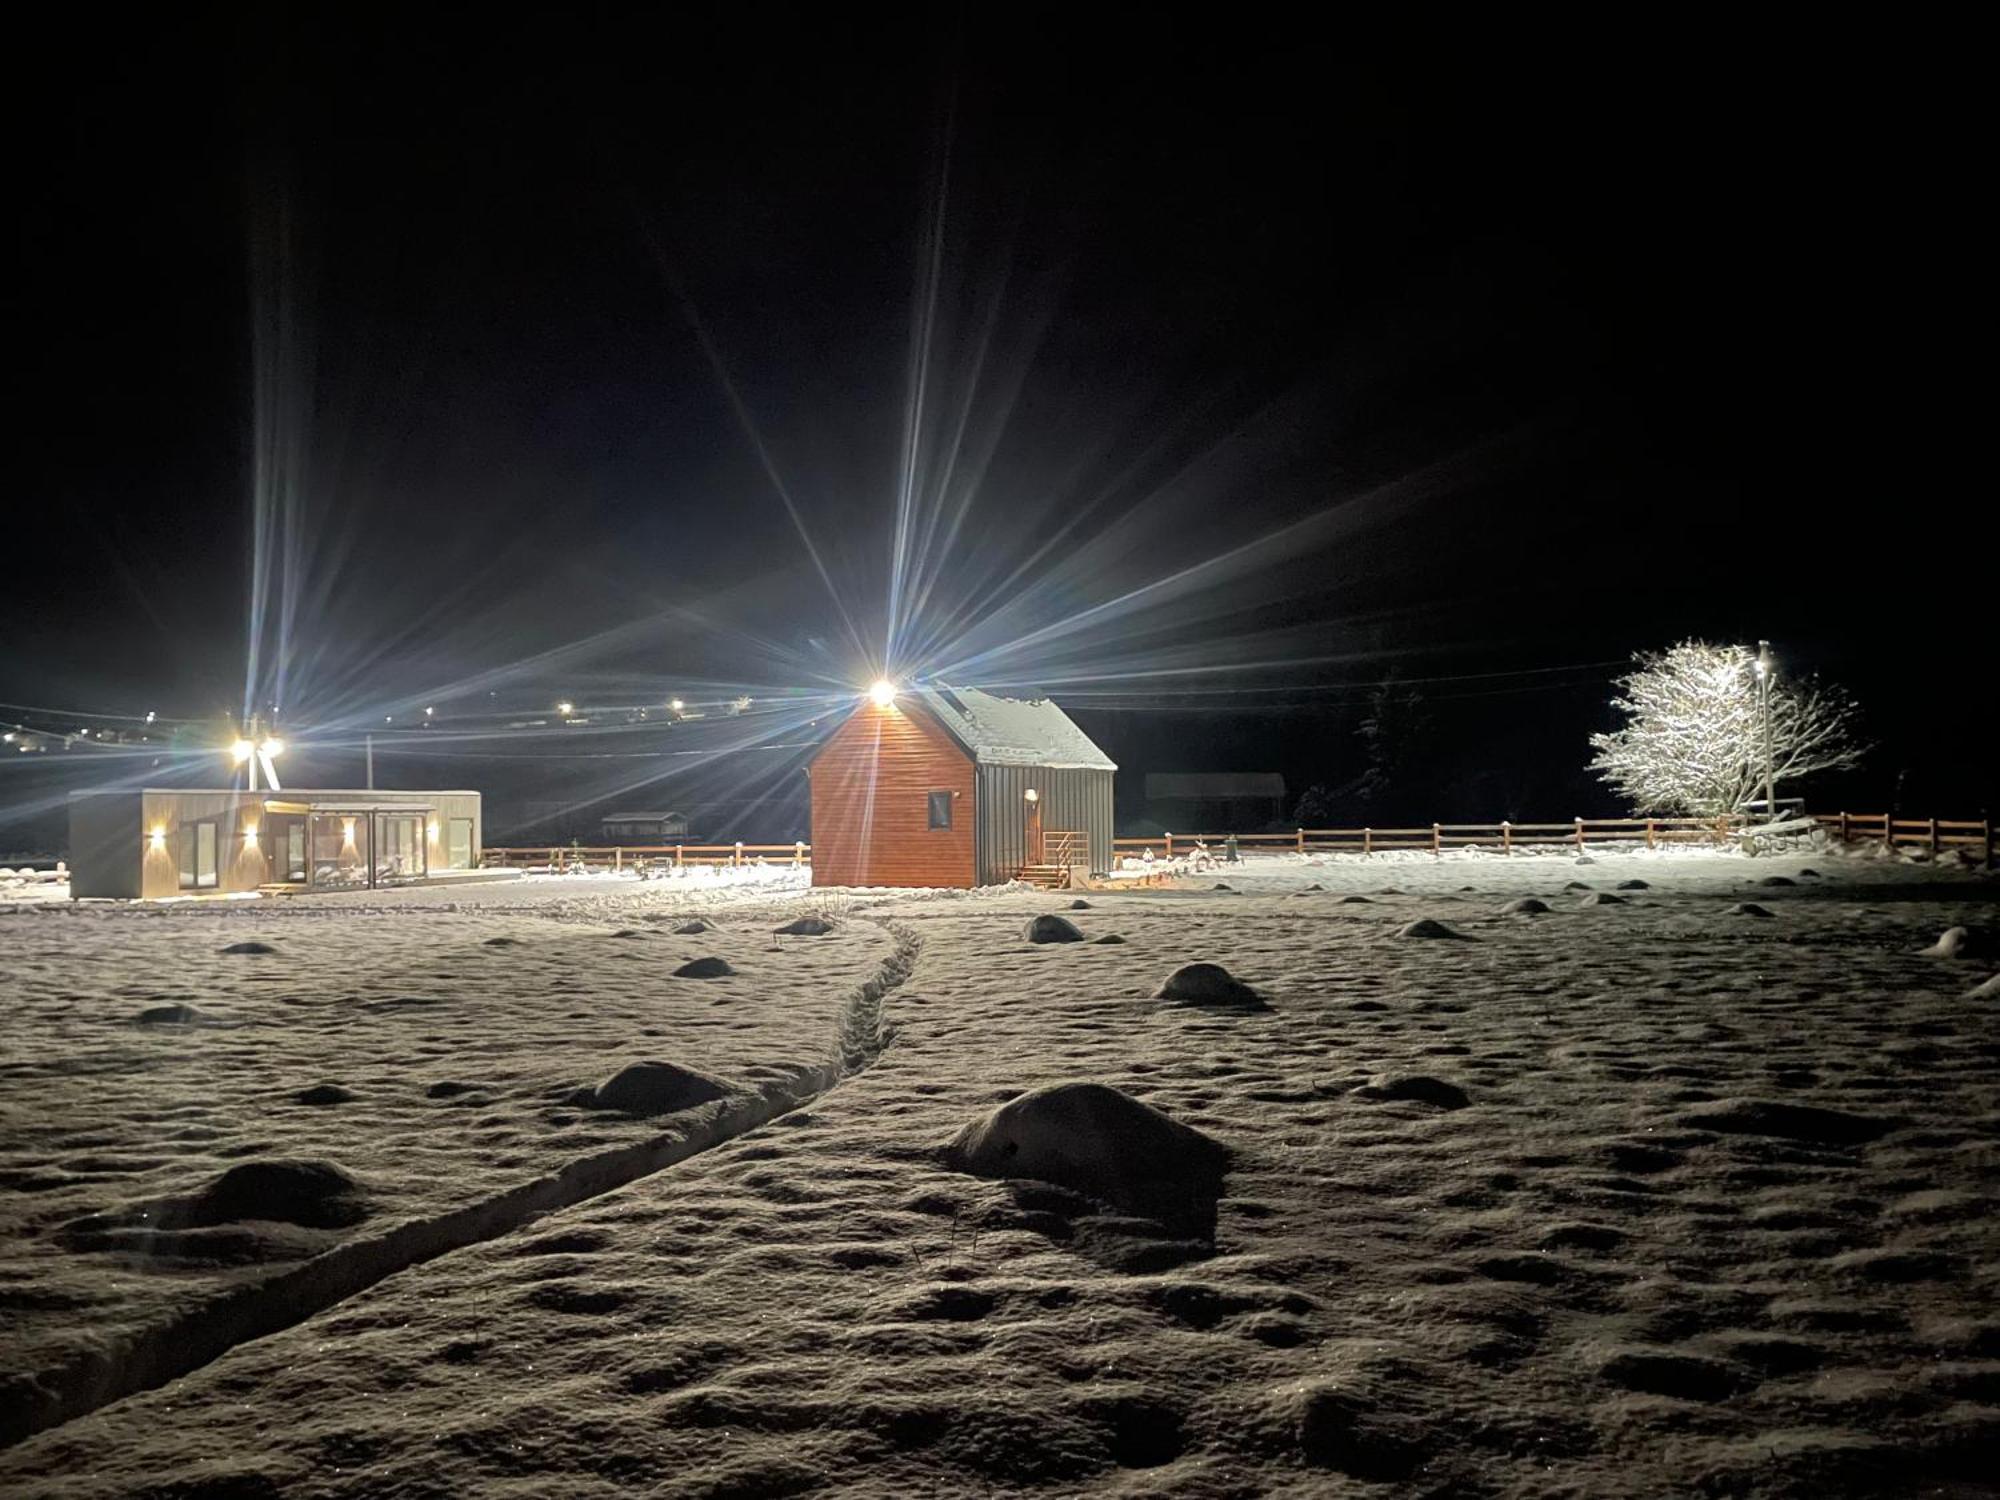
(565, 709)
(676, 705)
(884, 693)
(273, 747)
(242, 750)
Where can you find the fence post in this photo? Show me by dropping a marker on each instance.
(1302, 841)
(1843, 828)
(1437, 841)
(798, 853)
(1579, 835)
(1506, 837)
(1934, 841)
(618, 861)
(1986, 833)
(1170, 846)
(1367, 841)
(737, 862)
(552, 860)
(1649, 833)
(1889, 831)
(677, 856)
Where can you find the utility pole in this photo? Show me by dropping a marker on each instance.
(1764, 670)
(368, 740)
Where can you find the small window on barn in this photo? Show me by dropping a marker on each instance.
(940, 809)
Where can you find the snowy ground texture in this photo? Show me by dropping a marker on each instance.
(1634, 1197)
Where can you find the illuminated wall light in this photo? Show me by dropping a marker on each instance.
(347, 832)
(432, 829)
(242, 750)
(1032, 795)
(158, 839)
(884, 693)
(250, 836)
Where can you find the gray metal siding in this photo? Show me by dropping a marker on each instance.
(1071, 799)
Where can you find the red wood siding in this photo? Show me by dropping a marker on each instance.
(871, 806)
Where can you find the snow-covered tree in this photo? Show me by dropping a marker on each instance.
(1695, 741)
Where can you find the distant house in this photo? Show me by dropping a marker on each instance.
(1215, 802)
(645, 828)
(948, 786)
(153, 843)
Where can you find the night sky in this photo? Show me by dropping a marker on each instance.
(1510, 365)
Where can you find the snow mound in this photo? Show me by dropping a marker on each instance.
(1584, 859)
(1603, 898)
(1525, 906)
(653, 1088)
(1749, 909)
(1987, 991)
(1427, 927)
(250, 947)
(323, 1093)
(1952, 943)
(1208, 984)
(1052, 929)
(807, 927)
(1792, 1122)
(169, 1015)
(1419, 1088)
(312, 1194)
(694, 928)
(1315, 886)
(1576, 885)
(704, 968)
(1096, 1140)
(1355, 901)
(1341, 1424)
(503, 942)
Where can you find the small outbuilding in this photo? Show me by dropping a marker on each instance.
(941, 786)
(644, 827)
(146, 844)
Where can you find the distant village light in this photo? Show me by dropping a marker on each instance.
(565, 709)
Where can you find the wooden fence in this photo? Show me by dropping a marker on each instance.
(1933, 834)
(1435, 838)
(1938, 835)
(645, 856)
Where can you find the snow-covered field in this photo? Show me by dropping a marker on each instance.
(1648, 1196)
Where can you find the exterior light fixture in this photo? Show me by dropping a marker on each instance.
(432, 829)
(272, 747)
(565, 709)
(428, 711)
(250, 836)
(159, 837)
(884, 692)
(149, 715)
(241, 751)
(677, 705)
(347, 832)
(1032, 795)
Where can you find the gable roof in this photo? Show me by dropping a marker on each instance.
(1012, 731)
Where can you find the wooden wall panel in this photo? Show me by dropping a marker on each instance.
(870, 802)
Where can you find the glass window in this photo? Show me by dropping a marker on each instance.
(197, 854)
(940, 809)
(458, 844)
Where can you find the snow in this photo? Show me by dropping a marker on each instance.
(1622, 1200)
(1013, 731)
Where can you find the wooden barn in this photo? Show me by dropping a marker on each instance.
(939, 786)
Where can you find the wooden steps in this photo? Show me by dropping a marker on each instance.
(1048, 877)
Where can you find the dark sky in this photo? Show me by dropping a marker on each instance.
(1546, 358)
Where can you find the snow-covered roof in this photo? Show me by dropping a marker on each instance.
(1012, 731)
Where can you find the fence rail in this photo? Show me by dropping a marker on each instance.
(643, 856)
(1438, 837)
(1935, 834)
